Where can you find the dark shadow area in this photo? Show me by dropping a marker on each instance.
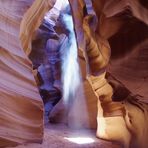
(144, 3)
(132, 33)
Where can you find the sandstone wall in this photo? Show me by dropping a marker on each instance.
(21, 107)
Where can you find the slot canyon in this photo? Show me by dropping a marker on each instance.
(74, 73)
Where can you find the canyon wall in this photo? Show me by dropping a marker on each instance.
(112, 39)
(21, 107)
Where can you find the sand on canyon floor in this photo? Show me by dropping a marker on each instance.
(61, 136)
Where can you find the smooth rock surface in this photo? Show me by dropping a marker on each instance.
(21, 107)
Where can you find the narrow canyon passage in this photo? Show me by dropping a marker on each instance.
(73, 73)
(60, 136)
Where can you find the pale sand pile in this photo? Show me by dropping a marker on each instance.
(55, 134)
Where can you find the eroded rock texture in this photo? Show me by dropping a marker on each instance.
(21, 108)
(112, 38)
(119, 27)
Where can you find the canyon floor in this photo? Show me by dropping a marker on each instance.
(60, 136)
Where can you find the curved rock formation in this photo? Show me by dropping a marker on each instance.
(112, 38)
(119, 24)
(21, 111)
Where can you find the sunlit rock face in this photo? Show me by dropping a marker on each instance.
(112, 54)
(21, 107)
(119, 28)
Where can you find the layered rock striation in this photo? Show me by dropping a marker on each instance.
(112, 41)
(21, 107)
